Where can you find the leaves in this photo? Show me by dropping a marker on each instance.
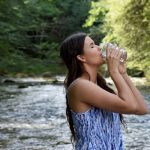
(34, 28)
(129, 25)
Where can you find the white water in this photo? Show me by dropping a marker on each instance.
(34, 118)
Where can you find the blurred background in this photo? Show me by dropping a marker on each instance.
(32, 30)
(32, 97)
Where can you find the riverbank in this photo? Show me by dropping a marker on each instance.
(59, 79)
(141, 83)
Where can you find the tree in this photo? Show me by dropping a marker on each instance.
(95, 20)
(129, 22)
(33, 29)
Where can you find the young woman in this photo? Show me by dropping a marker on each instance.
(94, 110)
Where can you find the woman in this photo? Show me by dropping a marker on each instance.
(94, 110)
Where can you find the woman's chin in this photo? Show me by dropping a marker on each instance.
(101, 63)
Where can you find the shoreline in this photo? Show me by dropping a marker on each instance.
(59, 79)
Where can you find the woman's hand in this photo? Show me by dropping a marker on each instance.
(122, 68)
(113, 55)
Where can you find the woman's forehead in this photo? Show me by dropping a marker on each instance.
(88, 40)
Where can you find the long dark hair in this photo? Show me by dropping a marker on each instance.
(69, 49)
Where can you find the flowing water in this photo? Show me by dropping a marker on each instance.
(33, 118)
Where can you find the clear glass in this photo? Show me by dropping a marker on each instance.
(104, 46)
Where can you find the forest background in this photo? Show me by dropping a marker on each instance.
(31, 32)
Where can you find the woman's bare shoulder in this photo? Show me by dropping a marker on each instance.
(75, 96)
(80, 87)
(77, 83)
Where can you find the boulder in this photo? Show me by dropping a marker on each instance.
(47, 75)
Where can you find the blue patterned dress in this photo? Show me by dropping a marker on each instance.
(97, 129)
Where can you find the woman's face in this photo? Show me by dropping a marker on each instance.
(92, 52)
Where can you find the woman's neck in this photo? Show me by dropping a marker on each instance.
(90, 72)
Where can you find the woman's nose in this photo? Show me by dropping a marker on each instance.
(98, 47)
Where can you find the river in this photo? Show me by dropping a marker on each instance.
(32, 117)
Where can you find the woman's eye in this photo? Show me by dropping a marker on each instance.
(92, 45)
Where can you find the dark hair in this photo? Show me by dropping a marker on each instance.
(69, 49)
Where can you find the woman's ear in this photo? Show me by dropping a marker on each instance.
(81, 58)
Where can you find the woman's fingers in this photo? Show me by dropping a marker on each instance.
(113, 52)
(108, 49)
(120, 54)
(116, 51)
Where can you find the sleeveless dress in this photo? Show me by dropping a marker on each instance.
(97, 129)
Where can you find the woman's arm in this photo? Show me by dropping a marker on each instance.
(86, 92)
(124, 92)
(142, 107)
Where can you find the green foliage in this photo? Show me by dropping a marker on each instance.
(129, 25)
(95, 20)
(31, 31)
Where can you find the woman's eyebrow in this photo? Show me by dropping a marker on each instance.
(91, 43)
